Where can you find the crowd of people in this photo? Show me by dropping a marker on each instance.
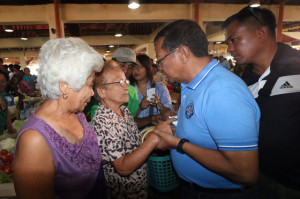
(235, 137)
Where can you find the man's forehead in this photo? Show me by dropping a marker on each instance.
(234, 28)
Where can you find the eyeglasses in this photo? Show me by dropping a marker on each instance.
(121, 82)
(251, 10)
(158, 62)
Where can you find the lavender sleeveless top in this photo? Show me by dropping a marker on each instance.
(78, 170)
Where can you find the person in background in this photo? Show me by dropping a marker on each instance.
(150, 111)
(157, 75)
(2, 68)
(5, 117)
(30, 79)
(57, 153)
(215, 146)
(273, 76)
(11, 71)
(224, 62)
(123, 152)
(14, 81)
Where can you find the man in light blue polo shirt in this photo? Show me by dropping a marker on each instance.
(214, 150)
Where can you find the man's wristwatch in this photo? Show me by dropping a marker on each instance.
(180, 144)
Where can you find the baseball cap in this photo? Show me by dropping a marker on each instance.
(125, 55)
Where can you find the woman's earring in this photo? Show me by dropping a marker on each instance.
(65, 96)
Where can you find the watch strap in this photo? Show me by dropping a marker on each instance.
(180, 144)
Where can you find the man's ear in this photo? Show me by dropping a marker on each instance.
(262, 33)
(184, 54)
(63, 87)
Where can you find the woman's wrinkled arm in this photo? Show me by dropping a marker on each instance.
(128, 163)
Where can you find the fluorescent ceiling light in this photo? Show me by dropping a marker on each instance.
(218, 42)
(8, 29)
(24, 36)
(111, 46)
(118, 35)
(254, 3)
(133, 4)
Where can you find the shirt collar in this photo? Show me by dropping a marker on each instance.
(201, 75)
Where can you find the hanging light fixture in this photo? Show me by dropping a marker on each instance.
(24, 36)
(111, 46)
(9, 29)
(133, 4)
(118, 34)
(254, 3)
(107, 49)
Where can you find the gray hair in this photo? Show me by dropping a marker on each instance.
(68, 60)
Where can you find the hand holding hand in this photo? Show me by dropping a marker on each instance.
(166, 138)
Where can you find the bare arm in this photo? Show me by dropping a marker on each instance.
(33, 167)
(128, 163)
(237, 166)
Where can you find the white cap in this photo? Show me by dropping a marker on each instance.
(125, 55)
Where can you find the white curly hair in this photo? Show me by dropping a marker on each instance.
(68, 60)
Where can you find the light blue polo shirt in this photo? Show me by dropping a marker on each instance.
(217, 111)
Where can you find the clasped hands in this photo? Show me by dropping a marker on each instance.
(163, 134)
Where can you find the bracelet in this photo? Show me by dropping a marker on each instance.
(180, 144)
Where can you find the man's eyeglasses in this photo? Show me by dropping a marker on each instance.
(251, 10)
(121, 82)
(158, 62)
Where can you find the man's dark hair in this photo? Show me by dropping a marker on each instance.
(17, 66)
(1, 60)
(184, 32)
(254, 17)
(5, 75)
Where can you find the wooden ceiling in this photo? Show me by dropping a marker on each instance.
(38, 2)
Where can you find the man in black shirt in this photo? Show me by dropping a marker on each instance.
(273, 76)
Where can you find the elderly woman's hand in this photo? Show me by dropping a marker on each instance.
(166, 138)
(144, 103)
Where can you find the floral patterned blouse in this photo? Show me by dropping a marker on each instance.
(119, 136)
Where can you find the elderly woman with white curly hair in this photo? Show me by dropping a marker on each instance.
(57, 155)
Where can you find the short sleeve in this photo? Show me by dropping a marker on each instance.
(232, 119)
